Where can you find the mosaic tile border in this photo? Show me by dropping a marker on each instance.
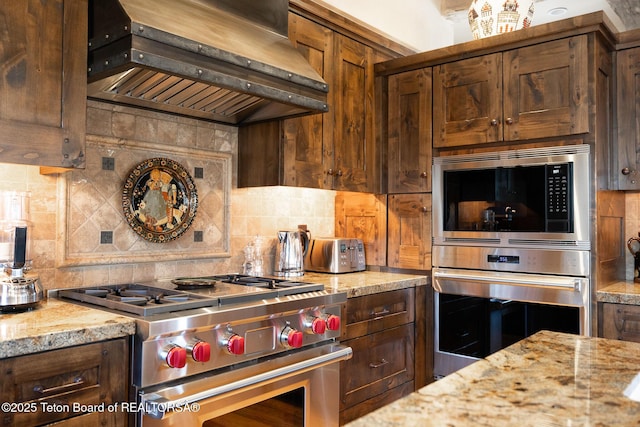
(90, 207)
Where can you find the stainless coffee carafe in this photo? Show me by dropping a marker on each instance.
(290, 251)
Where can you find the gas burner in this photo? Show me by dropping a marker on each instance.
(139, 299)
(284, 286)
(191, 283)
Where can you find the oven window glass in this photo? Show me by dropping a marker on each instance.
(520, 199)
(477, 327)
(285, 410)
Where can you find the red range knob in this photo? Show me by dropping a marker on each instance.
(201, 351)
(333, 322)
(235, 345)
(293, 338)
(176, 357)
(318, 326)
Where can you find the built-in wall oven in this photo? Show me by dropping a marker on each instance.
(511, 249)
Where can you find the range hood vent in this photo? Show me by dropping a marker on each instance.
(228, 61)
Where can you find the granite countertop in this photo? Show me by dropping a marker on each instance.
(57, 324)
(620, 293)
(549, 379)
(366, 282)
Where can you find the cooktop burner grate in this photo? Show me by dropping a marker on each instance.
(139, 299)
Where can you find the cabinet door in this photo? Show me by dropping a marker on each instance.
(628, 117)
(467, 100)
(364, 216)
(380, 362)
(88, 375)
(354, 137)
(621, 322)
(409, 130)
(307, 152)
(43, 51)
(546, 90)
(409, 231)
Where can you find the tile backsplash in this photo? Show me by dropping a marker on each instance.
(251, 212)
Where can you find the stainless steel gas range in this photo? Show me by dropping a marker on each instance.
(209, 349)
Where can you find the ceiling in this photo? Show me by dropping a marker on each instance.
(624, 14)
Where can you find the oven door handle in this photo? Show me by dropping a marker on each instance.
(156, 404)
(571, 283)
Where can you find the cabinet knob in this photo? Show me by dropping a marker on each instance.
(509, 121)
(424, 209)
(330, 172)
(339, 173)
(625, 171)
(423, 175)
(494, 122)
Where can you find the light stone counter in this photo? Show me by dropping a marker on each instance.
(548, 379)
(366, 282)
(57, 324)
(620, 293)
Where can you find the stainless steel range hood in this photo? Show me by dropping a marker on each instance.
(227, 61)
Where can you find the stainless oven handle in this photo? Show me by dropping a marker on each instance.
(155, 405)
(572, 283)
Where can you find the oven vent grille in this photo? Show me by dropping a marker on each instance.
(582, 245)
(472, 240)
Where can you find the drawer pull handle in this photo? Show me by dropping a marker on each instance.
(61, 388)
(379, 314)
(382, 362)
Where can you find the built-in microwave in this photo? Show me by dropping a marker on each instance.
(535, 197)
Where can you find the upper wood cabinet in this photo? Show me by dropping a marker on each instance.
(532, 92)
(43, 52)
(625, 173)
(336, 150)
(409, 148)
(307, 141)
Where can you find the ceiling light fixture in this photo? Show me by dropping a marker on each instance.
(557, 11)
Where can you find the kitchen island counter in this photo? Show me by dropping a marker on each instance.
(367, 282)
(548, 378)
(58, 324)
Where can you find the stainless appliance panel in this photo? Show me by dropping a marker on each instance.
(316, 369)
(577, 155)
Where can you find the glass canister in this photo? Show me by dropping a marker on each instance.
(15, 225)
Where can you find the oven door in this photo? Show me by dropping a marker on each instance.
(480, 312)
(297, 389)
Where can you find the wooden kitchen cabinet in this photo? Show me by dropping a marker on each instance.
(337, 150)
(626, 173)
(409, 130)
(364, 216)
(409, 231)
(533, 92)
(621, 322)
(47, 385)
(380, 330)
(43, 80)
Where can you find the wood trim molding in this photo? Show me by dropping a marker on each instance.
(339, 21)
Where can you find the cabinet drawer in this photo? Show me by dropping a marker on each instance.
(380, 362)
(378, 312)
(54, 383)
(621, 322)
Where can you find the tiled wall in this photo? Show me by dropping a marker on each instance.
(253, 212)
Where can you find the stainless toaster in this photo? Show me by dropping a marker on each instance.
(335, 255)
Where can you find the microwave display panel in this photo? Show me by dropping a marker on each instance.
(535, 198)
